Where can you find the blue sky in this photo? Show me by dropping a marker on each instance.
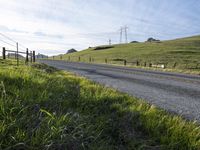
(52, 26)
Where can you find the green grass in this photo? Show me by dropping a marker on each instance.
(184, 52)
(44, 108)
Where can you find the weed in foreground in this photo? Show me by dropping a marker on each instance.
(42, 109)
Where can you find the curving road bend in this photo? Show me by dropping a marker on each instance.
(176, 93)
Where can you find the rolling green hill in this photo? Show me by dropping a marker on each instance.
(179, 53)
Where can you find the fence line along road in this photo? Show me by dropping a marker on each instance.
(16, 52)
(139, 63)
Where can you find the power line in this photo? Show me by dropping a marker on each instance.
(8, 37)
(19, 45)
(22, 46)
(21, 49)
(7, 43)
(11, 45)
(4, 47)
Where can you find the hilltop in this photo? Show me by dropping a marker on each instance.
(179, 52)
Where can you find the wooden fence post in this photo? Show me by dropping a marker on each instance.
(4, 53)
(137, 63)
(124, 62)
(15, 55)
(175, 64)
(79, 58)
(145, 64)
(197, 65)
(106, 61)
(27, 55)
(33, 56)
(60, 57)
(165, 66)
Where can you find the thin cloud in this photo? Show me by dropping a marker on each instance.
(42, 34)
(6, 29)
(51, 25)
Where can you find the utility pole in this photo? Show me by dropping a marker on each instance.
(31, 56)
(109, 42)
(4, 53)
(27, 55)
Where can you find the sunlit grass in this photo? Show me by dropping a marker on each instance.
(43, 108)
(181, 55)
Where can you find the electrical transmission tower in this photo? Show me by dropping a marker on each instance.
(125, 31)
(121, 31)
(126, 35)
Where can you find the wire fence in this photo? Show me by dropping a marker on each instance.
(11, 49)
(194, 65)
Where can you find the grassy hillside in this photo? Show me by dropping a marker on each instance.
(184, 52)
(43, 108)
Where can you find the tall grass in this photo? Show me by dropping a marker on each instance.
(43, 108)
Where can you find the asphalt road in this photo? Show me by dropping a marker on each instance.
(176, 93)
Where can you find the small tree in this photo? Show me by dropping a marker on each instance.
(152, 40)
(71, 51)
